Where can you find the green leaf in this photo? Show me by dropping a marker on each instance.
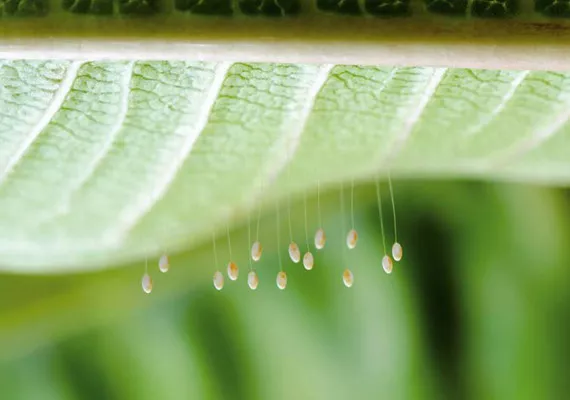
(107, 162)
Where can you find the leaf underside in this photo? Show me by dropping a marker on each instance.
(103, 162)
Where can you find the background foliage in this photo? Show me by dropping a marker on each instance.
(478, 308)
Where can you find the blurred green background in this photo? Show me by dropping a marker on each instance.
(478, 308)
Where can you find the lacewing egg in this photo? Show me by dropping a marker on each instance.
(320, 239)
(281, 280)
(164, 263)
(351, 239)
(218, 280)
(387, 264)
(294, 252)
(308, 261)
(147, 283)
(347, 278)
(397, 251)
(252, 280)
(233, 271)
(256, 250)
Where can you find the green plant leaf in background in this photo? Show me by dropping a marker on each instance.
(107, 162)
(476, 309)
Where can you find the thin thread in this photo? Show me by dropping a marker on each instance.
(379, 201)
(146, 265)
(258, 219)
(215, 251)
(289, 156)
(289, 218)
(319, 203)
(278, 236)
(343, 217)
(249, 241)
(306, 228)
(258, 215)
(393, 207)
(229, 241)
(352, 202)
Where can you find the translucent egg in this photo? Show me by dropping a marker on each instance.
(252, 280)
(351, 239)
(387, 264)
(233, 271)
(281, 280)
(294, 252)
(146, 283)
(164, 263)
(218, 280)
(308, 261)
(347, 278)
(397, 251)
(320, 239)
(256, 250)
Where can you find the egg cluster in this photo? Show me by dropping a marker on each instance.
(294, 251)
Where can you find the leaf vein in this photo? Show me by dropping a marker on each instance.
(410, 123)
(57, 101)
(145, 205)
(293, 139)
(501, 106)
